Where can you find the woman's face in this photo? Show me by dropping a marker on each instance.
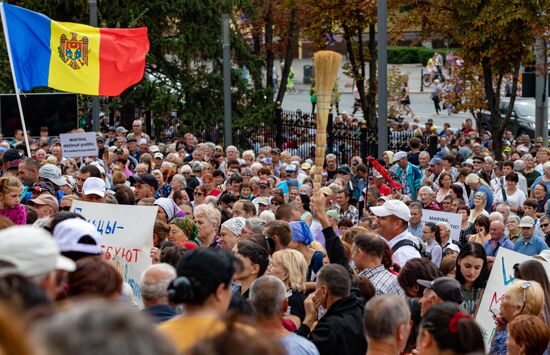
(512, 226)
(176, 235)
(208, 184)
(274, 206)
(188, 210)
(427, 233)
(206, 228)
(510, 184)
(343, 229)
(386, 159)
(298, 203)
(446, 181)
(159, 177)
(161, 215)
(464, 214)
(176, 185)
(277, 270)
(292, 194)
(470, 267)
(480, 229)
(508, 310)
(227, 239)
(199, 195)
(245, 191)
(478, 201)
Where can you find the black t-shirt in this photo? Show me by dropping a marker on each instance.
(413, 158)
(296, 304)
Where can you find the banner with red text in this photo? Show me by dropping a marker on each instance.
(126, 236)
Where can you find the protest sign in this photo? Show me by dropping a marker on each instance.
(454, 219)
(74, 145)
(502, 275)
(126, 236)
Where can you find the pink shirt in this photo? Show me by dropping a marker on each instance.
(18, 214)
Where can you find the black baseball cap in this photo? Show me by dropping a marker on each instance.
(447, 288)
(146, 178)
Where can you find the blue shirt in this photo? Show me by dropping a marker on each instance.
(547, 183)
(532, 247)
(295, 344)
(488, 193)
(502, 242)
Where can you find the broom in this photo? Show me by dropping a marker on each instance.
(326, 65)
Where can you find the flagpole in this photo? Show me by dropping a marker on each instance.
(8, 46)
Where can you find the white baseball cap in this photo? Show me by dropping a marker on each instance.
(154, 149)
(77, 235)
(159, 155)
(94, 185)
(395, 208)
(32, 251)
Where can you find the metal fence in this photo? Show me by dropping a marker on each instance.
(295, 131)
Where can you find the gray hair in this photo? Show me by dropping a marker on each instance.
(255, 225)
(416, 206)
(426, 188)
(496, 216)
(181, 179)
(384, 315)
(519, 165)
(336, 278)
(99, 327)
(445, 225)
(267, 295)
(267, 216)
(197, 167)
(155, 280)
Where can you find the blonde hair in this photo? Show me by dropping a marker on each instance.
(119, 178)
(296, 266)
(9, 183)
(212, 214)
(534, 296)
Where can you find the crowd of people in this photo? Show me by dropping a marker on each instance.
(253, 255)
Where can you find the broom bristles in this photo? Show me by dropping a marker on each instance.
(326, 64)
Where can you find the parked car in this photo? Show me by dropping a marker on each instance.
(522, 120)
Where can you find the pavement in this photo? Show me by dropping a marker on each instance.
(421, 104)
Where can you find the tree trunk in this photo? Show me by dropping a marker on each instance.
(372, 120)
(357, 68)
(292, 41)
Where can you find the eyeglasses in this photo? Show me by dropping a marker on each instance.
(275, 204)
(198, 193)
(524, 286)
(544, 225)
(65, 208)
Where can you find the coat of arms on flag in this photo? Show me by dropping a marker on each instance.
(72, 51)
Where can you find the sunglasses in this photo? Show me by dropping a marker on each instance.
(545, 225)
(275, 204)
(524, 286)
(198, 193)
(65, 208)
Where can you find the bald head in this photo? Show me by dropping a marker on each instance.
(154, 283)
(496, 229)
(268, 296)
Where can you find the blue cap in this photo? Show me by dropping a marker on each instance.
(436, 160)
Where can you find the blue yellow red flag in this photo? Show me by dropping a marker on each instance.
(72, 57)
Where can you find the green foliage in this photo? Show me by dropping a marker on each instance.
(405, 55)
(184, 64)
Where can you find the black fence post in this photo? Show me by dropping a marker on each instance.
(278, 126)
(330, 134)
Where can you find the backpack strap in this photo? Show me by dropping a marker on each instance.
(403, 243)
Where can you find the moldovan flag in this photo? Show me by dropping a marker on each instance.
(72, 57)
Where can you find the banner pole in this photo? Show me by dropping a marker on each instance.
(8, 46)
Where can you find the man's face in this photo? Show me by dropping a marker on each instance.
(93, 198)
(321, 293)
(40, 155)
(416, 216)
(425, 197)
(423, 159)
(403, 163)
(43, 210)
(18, 135)
(496, 231)
(527, 232)
(447, 205)
(26, 175)
(56, 151)
(506, 170)
(357, 257)
(436, 169)
(545, 226)
(119, 142)
(428, 299)
(137, 128)
(80, 178)
(331, 164)
(189, 140)
(143, 191)
(132, 146)
(231, 154)
(238, 210)
(341, 199)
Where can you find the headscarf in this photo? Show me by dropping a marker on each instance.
(170, 208)
(390, 156)
(187, 226)
(301, 232)
(235, 225)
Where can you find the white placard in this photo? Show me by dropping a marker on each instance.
(74, 145)
(126, 236)
(502, 276)
(454, 219)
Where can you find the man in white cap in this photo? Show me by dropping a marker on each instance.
(31, 252)
(94, 190)
(528, 243)
(409, 176)
(393, 220)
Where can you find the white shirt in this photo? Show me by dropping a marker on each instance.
(405, 253)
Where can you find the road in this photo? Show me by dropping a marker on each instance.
(421, 105)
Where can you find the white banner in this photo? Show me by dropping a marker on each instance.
(74, 145)
(454, 219)
(126, 236)
(502, 275)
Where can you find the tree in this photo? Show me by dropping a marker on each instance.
(352, 18)
(495, 35)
